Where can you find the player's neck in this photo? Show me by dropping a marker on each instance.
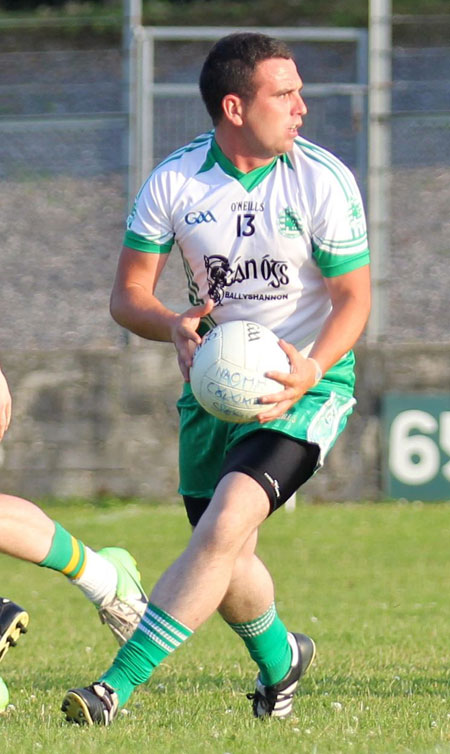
(238, 153)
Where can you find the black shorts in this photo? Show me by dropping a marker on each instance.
(280, 464)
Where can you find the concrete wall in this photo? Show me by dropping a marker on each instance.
(104, 422)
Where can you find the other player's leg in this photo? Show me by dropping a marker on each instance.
(108, 578)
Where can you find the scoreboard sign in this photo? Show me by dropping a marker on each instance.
(416, 446)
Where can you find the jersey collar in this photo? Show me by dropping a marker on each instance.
(247, 180)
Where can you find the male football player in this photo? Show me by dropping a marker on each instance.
(271, 229)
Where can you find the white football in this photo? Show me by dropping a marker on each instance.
(227, 374)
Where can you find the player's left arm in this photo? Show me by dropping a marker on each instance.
(350, 298)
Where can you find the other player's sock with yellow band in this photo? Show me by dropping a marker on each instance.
(157, 635)
(93, 574)
(267, 642)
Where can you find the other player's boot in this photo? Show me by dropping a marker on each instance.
(276, 700)
(13, 622)
(123, 613)
(94, 705)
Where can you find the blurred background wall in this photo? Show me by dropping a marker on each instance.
(94, 409)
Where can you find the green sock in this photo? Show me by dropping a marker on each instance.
(266, 640)
(157, 635)
(66, 554)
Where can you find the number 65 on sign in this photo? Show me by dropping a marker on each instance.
(416, 446)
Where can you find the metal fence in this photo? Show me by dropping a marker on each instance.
(418, 276)
(63, 168)
(61, 112)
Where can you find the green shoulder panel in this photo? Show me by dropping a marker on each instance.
(332, 265)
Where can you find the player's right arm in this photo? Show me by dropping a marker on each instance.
(134, 306)
(5, 405)
(133, 302)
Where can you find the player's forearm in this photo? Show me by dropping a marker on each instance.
(341, 331)
(142, 313)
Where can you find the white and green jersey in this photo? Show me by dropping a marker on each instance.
(261, 243)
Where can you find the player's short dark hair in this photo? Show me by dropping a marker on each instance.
(230, 65)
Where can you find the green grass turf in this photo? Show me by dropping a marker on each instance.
(369, 582)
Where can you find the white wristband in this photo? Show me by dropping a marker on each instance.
(318, 370)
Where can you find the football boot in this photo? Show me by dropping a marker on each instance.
(97, 704)
(123, 613)
(276, 700)
(13, 622)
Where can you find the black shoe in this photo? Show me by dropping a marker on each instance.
(13, 622)
(276, 700)
(94, 705)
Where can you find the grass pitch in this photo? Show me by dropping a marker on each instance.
(370, 583)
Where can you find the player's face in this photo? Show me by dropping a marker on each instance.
(271, 119)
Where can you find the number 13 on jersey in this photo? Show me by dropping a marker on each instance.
(245, 224)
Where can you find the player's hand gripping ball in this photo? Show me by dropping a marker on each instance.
(227, 374)
(4, 695)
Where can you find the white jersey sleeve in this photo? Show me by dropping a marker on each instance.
(338, 232)
(149, 226)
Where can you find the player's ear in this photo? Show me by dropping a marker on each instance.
(232, 108)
